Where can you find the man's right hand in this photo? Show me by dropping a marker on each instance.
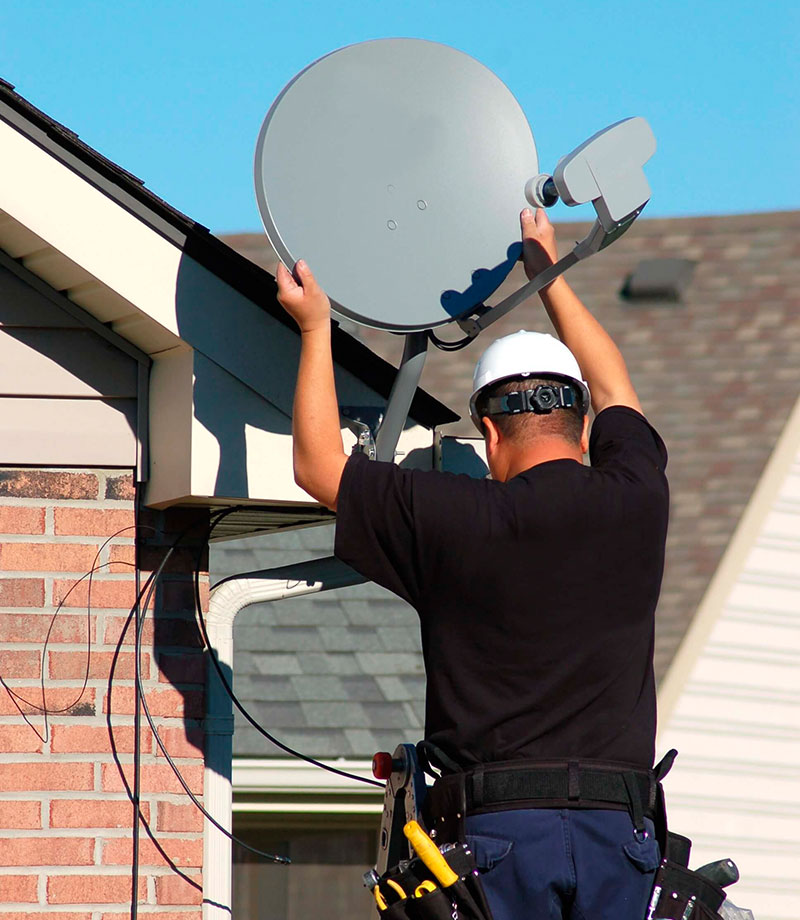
(538, 241)
(302, 298)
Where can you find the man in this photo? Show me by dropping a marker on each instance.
(536, 592)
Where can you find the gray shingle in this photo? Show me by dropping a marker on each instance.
(334, 714)
(361, 688)
(330, 663)
(389, 663)
(400, 638)
(393, 688)
(319, 687)
(388, 715)
(265, 687)
(349, 639)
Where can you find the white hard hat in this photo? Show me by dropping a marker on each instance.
(526, 354)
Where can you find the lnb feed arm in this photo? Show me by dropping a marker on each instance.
(606, 170)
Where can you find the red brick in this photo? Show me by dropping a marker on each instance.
(94, 739)
(172, 889)
(93, 522)
(181, 742)
(120, 488)
(32, 627)
(179, 596)
(155, 778)
(168, 703)
(46, 851)
(17, 889)
(19, 739)
(157, 914)
(30, 777)
(59, 700)
(48, 484)
(92, 889)
(182, 853)
(106, 813)
(24, 814)
(21, 520)
(22, 663)
(21, 592)
(182, 561)
(186, 818)
(119, 595)
(48, 915)
(72, 665)
(47, 557)
(182, 668)
(172, 631)
(124, 554)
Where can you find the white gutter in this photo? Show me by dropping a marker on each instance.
(227, 599)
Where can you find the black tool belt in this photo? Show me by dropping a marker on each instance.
(539, 784)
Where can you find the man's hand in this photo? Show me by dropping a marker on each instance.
(302, 298)
(538, 241)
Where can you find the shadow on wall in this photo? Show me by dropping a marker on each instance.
(222, 406)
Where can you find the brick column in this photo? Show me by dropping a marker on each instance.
(66, 816)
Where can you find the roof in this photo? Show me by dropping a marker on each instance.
(195, 241)
(718, 373)
(337, 674)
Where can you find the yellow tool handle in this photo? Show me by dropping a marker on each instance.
(424, 888)
(429, 853)
(379, 898)
(397, 888)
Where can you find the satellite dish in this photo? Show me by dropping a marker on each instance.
(397, 169)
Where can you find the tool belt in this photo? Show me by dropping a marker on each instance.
(434, 885)
(541, 784)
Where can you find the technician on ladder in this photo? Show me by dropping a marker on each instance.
(536, 592)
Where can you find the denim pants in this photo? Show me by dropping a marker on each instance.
(563, 864)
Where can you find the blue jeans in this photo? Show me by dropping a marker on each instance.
(563, 864)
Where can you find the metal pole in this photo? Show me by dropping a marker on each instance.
(403, 390)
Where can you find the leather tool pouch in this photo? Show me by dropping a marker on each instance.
(679, 893)
(463, 900)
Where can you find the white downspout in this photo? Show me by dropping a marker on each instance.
(227, 598)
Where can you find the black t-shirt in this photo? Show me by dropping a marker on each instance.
(536, 596)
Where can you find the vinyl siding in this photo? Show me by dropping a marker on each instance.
(68, 396)
(735, 789)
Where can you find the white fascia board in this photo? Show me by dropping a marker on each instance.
(281, 776)
(88, 227)
(296, 787)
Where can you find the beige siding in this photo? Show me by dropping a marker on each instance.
(68, 396)
(735, 789)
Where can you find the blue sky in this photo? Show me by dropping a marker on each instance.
(175, 92)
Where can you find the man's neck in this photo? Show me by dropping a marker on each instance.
(542, 451)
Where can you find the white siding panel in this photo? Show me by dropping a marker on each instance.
(68, 432)
(64, 362)
(735, 789)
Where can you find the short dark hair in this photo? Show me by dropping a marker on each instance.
(524, 426)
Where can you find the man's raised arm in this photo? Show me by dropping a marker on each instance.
(318, 453)
(600, 360)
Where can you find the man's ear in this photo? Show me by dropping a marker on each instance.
(491, 434)
(585, 435)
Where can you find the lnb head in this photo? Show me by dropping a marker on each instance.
(541, 191)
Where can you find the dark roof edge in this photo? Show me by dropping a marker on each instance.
(197, 242)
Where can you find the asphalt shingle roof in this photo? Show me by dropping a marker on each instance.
(336, 674)
(717, 374)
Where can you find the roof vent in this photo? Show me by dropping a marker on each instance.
(663, 280)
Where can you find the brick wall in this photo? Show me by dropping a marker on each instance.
(66, 816)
